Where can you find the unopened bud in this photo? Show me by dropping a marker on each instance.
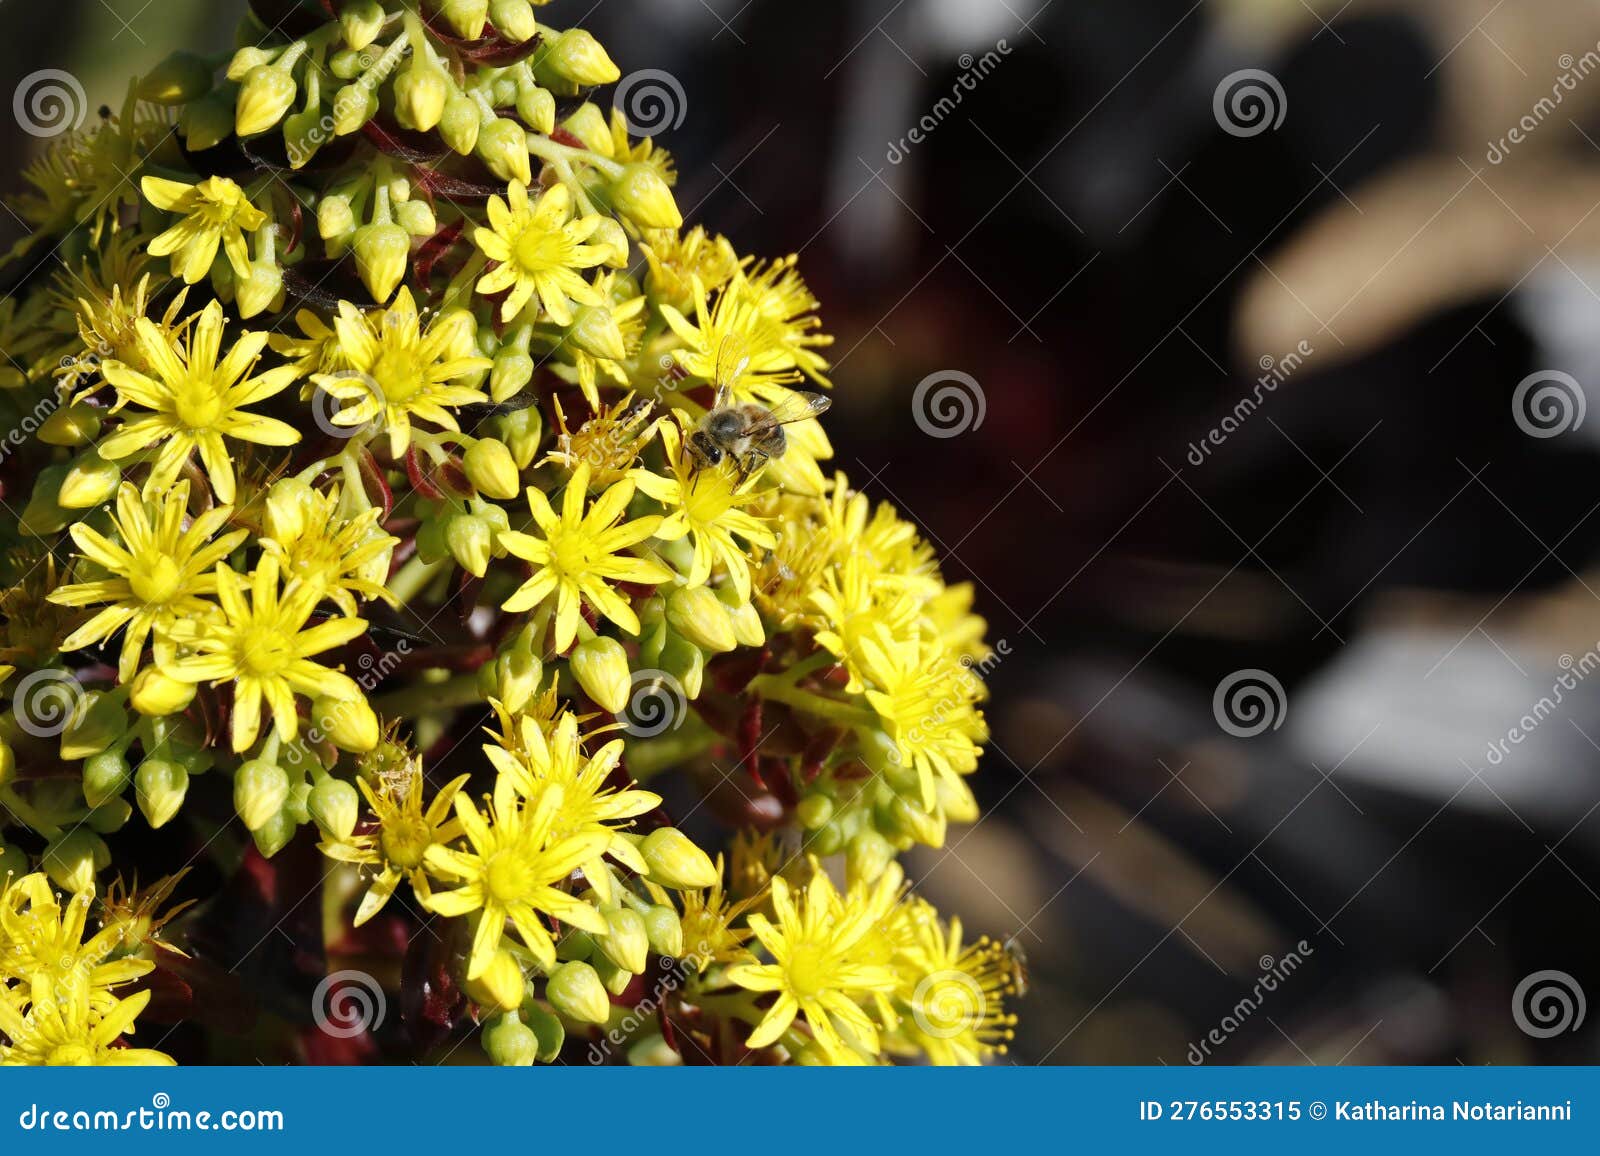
(260, 790)
(514, 19)
(626, 942)
(522, 431)
(595, 331)
(601, 667)
(536, 105)
(274, 834)
(261, 291)
(686, 662)
(71, 425)
(491, 468)
(382, 254)
(335, 218)
(695, 613)
(664, 930)
(207, 122)
(547, 1027)
(675, 861)
(160, 786)
(73, 861)
(416, 217)
(348, 723)
(589, 125)
(97, 721)
(335, 806)
(156, 695)
(641, 194)
(500, 987)
(90, 481)
(471, 542)
(510, 1043)
(465, 17)
(420, 94)
(353, 106)
(576, 56)
(360, 21)
(460, 123)
(575, 991)
(105, 776)
(611, 237)
(265, 98)
(178, 79)
(867, 856)
(503, 146)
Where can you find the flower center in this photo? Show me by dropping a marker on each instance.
(809, 971)
(537, 250)
(155, 580)
(70, 1055)
(508, 876)
(265, 650)
(399, 373)
(570, 553)
(197, 404)
(405, 842)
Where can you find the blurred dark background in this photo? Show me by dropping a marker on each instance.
(1390, 538)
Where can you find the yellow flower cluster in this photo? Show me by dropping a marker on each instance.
(269, 580)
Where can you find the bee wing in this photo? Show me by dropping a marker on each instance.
(796, 405)
(732, 361)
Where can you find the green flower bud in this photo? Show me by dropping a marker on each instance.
(361, 21)
(514, 19)
(160, 786)
(537, 108)
(383, 252)
(460, 123)
(73, 860)
(547, 1027)
(611, 237)
(207, 122)
(503, 146)
(109, 817)
(522, 431)
(298, 806)
(420, 94)
(813, 811)
(512, 371)
(664, 930)
(601, 667)
(575, 990)
(576, 944)
(491, 468)
(178, 79)
(501, 987)
(576, 56)
(516, 679)
(465, 17)
(675, 861)
(627, 941)
(105, 776)
(247, 58)
(349, 723)
(265, 98)
(695, 613)
(90, 481)
(275, 834)
(335, 806)
(685, 661)
(335, 219)
(8, 762)
(867, 856)
(42, 517)
(509, 1043)
(641, 194)
(13, 863)
(589, 125)
(353, 106)
(97, 722)
(416, 218)
(596, 332)
(613, 978)
(71, 425)
(260, 789)
(747, 627)
(471, 542)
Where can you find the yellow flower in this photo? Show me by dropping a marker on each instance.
(953, 995)
(397, 372)
(580, 552)
(262, 645)
(41, 941)
(215, 212)
(318, 546)
(678, 259)
(159, 573)
(854, 601)
(316, 350)
(710, 936)
(732, 331)
(406, 830)
(514, 872)
(927, 701)
(197, 401)
(815, 969)
(604, 337)
(781, 295)
(610, 442)
(540, 248)
(531, 761)
(707, 505)
(60, 1030)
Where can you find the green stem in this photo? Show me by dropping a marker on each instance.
(458, 691)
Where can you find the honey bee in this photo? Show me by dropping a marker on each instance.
(748, 434)
(1018, 960)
